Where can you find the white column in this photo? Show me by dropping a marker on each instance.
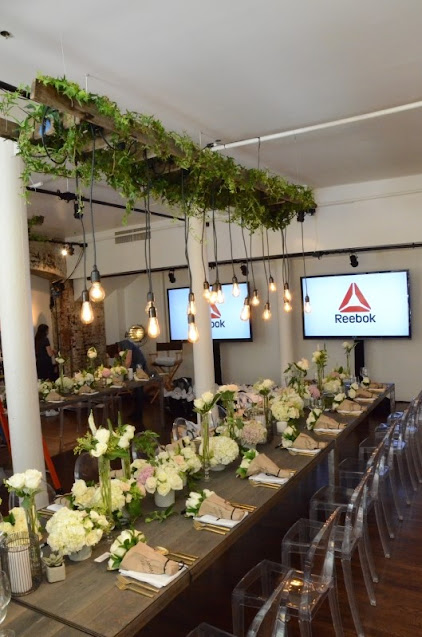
(285, 324)
(17, 332)
(203, 358)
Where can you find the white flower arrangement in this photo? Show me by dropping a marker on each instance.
(366, 381)
(83, 378)
(64, 383)
(69, 530)
(165, 479)
(60, 360)
(223, 450)
(313, 418)
(123, 494)
(264, 386)
(24, 484)
(288, 436)
(352, 390)
(320, 357)
(103, 373)
(194, 501)
(348, 347)
(44, 387)
(206, 402)
(118, 370)
(232, 389)
(92, 353)
(288, 405)
(185, 457)
(248, 456)
(14, 522)
(332, 385)
(253, 433)
(337, 400)
(113, 443)
(121, 545)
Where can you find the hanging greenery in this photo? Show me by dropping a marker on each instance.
(133, 151)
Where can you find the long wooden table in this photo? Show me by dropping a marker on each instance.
(88, 599)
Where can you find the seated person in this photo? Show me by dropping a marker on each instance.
(135, 357)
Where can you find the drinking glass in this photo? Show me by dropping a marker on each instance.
(364, 372)
(5, 596)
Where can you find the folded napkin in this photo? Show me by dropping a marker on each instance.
(265, 477)
(85, 389)
(326, 422)
(374, 385)
(349, 405)
(141, 558)
(211, 519)
(303, 441)
(53, 395)
(155, 580)
(220, 508)
(263, 464)
(141, 375)
(363, 393)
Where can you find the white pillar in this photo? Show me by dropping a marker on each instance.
(17, 332)
(285, 324)
(203, 358)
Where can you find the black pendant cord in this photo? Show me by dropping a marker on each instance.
(251, 262)
(84, 249)
(246, 254)
(268, 254)
(265, 266)
(303, 257)
(204, 225)
(215, 242)
(231, 240)
(147, 244)
(91, 192)
(186, 230)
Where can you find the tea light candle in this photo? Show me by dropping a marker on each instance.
(19, 569)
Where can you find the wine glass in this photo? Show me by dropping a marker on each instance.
(364, 372)
(5, 596)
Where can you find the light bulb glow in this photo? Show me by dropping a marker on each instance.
(87, 313)
(64, 251)
(191, 304)
(96, 292)
(271, 285)
(307, 305)
(193, 334)
(153, 327)
(213, 295)
(287, 306)
(255, 298)
(245, 314)
(220, 295)
(267, 312)
(287, 293)
(235, 288)
(206, 293)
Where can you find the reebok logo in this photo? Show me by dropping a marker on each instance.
(216, 317)
(354, 307)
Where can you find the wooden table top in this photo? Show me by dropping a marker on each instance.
(89, 600)
(28, 623)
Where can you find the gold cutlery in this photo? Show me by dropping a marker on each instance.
(269, 485)
(130, 587)
(134, 582)
(183, 557)
(246, 507)
(45, 513)
(201, 526)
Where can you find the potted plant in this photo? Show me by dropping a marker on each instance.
(55, 568)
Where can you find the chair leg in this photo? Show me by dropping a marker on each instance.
(415, 459)
(347, 573)
(366, 573)
(410, 467)
(402, 478)
(395, 494)
(335, 611)
(381, 529)
(305, 628)
(61, 430)
(386, 509)
(238, 615)
(369, 556)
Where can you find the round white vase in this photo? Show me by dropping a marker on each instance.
(281, 426)
(164, 501)
(218, 467)
(83, 554)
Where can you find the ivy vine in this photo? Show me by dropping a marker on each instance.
(53, 143)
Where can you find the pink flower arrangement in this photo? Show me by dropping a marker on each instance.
(106, 373)
(314, 391)
(253, 433)
(146, 472)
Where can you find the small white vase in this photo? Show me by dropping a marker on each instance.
(281, 426)
(55, 573)
(218, 467)
(164, 501)
(83, 554)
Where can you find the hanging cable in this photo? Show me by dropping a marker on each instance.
(266, 315)
(255, 296)
(235, 282)
(206, 291)
(87, 314)
(246, 309)
(307, 304)
(271, 283)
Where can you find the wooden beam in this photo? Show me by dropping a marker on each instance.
(8, 129)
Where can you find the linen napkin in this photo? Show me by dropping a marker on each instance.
(85, 389)
(141, 558)
(350, 406)
(363, 393)
(141, 375)
(326, 422)
(155, 580)
(303, 441)
(53, 396)
(211, 519)
(374, 385)
(265, 477)
(220, 508)
(263, 464)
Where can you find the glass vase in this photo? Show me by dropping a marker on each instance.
(32, 519)
(126, 467)
(268, 419)
(320, 378)
(105, 488)
(205, 435)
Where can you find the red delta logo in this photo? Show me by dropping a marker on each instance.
(354, 301)
(216, 320)
(354, 307)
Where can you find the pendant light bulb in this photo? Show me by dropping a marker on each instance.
(207, 292)
(245, 314)
(213, 294)
(193, 334)
(220, 294)
(307, 305)
(96, 291)
(191, 304)
(87, 313)
(255, 298)
(287, 306)
(271, 285)
(150, 301)
(235, 288)
(267, 312)
(153, 328)
(287, 293)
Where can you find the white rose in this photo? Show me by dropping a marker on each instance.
(100, 450)
(123, 442)
(288, 431)
(199, 403)
(102, 435)
(17, 481)
(207, 397)
(32, 479)
(151, 484)
(287, 443)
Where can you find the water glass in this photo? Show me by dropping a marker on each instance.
(5, 596)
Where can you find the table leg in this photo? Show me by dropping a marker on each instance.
(333, 468)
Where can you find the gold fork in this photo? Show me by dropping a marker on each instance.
(183, 557)
(269, 485)
(246, 507)
(201, 526)
(148, 587)
(123, 587)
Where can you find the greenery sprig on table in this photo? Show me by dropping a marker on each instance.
(59, 144)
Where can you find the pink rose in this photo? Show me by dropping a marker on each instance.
(143, 475)
(106, 372)
(314, 391)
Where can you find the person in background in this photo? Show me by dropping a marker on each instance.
(43, 354)
(135, 358)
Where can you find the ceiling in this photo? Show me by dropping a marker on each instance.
(235, 70)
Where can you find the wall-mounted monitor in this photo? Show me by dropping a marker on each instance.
(226, 324)
(366, 305)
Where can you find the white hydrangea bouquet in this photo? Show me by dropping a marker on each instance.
(44, 388)
(126, 497)
(353, 390)
(83, 378)
(287, 406)
(288, 436)
(248, 456)
(223, 450)
(312, 418)
(26, 486)
(70, 530)
(332, 385)
(252, 433)
(121, 545)
(64, 384)
(194, 501)
(14, 522)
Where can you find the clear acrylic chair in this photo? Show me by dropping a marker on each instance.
(135, 451)
(184, 428)
(206, 630)
(349, 536)
(303, 590)
(86, 468)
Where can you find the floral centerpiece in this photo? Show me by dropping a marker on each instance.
(91, 356)
(289, 435)
(60, 360)
(337, 400)
(223, 450)
(312, 418)
(162, 478)
(83, 377)
(118, 373)
(287, 406)
(102, 376)
(228, 395)
(26, 486)
(194, 501)
(64, 384)
(264, 388)
(203, 407)
(44, 388)
(320, 358)
(14, 522)
(295, 376)
(348, 349)
(252, 433)
(353, 389)
(332, 384)
(121, 545)
(69, 530)
(126, 498)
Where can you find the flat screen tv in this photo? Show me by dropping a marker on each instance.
(226, 324)
(365, 305)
